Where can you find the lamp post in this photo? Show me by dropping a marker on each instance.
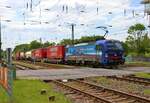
(72, 28)
(0, 41)
(72, 31)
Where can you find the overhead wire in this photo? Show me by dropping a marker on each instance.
(65, 9)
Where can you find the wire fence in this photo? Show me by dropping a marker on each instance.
(137, 59)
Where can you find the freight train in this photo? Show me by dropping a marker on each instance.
(101, 52)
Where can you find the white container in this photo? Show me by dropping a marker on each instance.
(28, 54)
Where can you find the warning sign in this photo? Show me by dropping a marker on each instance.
(4, 77)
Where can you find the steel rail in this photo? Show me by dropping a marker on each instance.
(95, 97)
(131, 79)
(122, 95)
(142, 99)
(139, 78)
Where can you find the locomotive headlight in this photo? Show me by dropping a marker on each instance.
(106, 55)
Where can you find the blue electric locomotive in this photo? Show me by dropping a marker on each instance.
(101, 52)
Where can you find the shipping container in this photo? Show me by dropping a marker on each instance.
(28, 55)
(22, 55)
(17, 56)
(56, 53)
(38, 54)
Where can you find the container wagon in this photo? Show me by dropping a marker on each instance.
(101, 52)
(22, 56)
(17, 56)
(56, 54)
(28, 55)
(38, 54)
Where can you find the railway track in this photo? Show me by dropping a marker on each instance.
(97, 94)
(132, 79)
(49, 65)
(23, 67)
(138, 78)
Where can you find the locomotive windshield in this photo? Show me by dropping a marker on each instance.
(114, 45)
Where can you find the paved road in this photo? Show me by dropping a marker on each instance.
(75, 73)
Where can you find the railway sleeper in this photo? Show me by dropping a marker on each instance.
(118, 99)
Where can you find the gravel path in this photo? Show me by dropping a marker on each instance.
(76, 72)
(138, 69)
(68, 73)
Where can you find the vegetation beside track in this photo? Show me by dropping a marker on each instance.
(122, 86)
(143, 75)
(137, 64)
(28, 91)
(39, 65)
(147, 92)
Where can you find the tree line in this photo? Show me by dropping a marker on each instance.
(36, 44)
(138, 42)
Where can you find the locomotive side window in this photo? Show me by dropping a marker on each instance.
(119, 45)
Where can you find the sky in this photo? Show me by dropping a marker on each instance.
(51, 20)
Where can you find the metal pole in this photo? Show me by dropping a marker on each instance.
(72, 26)
(149, 24)
(0, 41)
(10, 75)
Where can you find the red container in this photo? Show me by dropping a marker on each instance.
(17, 56)
(56, 52)
(39, 53)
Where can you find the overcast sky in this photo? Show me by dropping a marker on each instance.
(50, 19)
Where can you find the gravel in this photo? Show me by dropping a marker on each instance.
(51, 74)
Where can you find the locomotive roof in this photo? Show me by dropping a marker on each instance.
(104, 41)
(96, 42)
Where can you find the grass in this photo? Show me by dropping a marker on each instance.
(137, 64)
(147, 92)
(143, 75)
(28, 91)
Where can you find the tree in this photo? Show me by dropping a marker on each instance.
(66, 42)
(138, 40)
(90, 38)
(22, 47)
(83, 39)
(126, 48)
(46, 44)
(35, 44)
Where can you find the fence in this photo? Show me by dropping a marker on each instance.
(137, 59)
(4, 77)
